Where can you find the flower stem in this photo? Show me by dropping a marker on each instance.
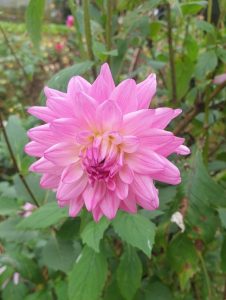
(171, 54)
(206, 276)
(88, 34)
(72, 6)
(15, 162)
(109, 26)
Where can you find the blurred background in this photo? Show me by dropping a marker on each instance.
(184, 43)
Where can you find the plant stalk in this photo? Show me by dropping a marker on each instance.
(15, 162)
(88, 34)
(171, 54)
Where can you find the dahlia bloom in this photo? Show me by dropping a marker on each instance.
(70, 21)
(102, 147)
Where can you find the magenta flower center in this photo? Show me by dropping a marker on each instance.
(102, 157)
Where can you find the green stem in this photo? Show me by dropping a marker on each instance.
(88, 34)
(171, 54)
(73, 9)
(206, 133)
(109, 26)
(14, 53)
(15, 162)
(206, 276)
(209, 11)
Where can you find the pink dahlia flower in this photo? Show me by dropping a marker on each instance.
(102, 147)
(70, 21)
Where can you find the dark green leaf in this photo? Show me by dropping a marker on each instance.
(14, 292)
(222, 214)
(43, 217)
(129, 273)
(207, 62)
(59, 255)
(8, 206)
(223, 255)
(157, 291)
(136, 230)
(88, 276)
(93, 233)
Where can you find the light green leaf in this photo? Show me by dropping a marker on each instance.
(222, 214)
(136, 230)
(207, 62)
(43, 217)
(60, 80)
(40, 295)
(205, 26)
(59, 255)
(129, 273)
(93, 233)
(34, 20)
(193, 7)
(88, 276)
(8, 206)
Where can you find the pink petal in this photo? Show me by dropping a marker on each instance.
(93, 195)
(44, 166)
(49, 92)
(146, 90)
(43, 113)
(121, 189)
(77, 84)
(50, 181)
(71, 190)
(145, 161)
(146, 192)
(35, 149)
(125, 96)
(183, 150)
(103, 85)
(42, 134)
(130, 143)
(75, 205)
(97, 214)
(109, 116)
(62, 154)
(66, 128)
(129, 204)
(126, 174)
(109, 205)
(72, 173)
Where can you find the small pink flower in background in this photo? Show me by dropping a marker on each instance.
(28, 209)
(70, 21)
(59, 47)
(219, 79)
(16, 278)
(102, 147)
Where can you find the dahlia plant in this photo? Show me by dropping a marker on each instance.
(102, 147)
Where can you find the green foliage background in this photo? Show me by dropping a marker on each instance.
(134, 257)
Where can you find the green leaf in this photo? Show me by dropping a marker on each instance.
(59, 255)
(8, 206)
(185, 264)
(193, 7)
(207, 62)
(61, 288)
(17, 136)
(34, 20)
(221, 53)
(157, 291)
(40, 295)
(88, 276)
(93, 233)
(129, 273)
(15, 292)
(60, 80)
(223, 255)
(43, 217)
(222, 214)
(136, 230)
(205, 26)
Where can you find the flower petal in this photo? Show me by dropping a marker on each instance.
(50, 181)
(71, 190)
(43, 113)
(125, 96)
(72, 173)
(110, 204)
(146, 90)
(75, 205)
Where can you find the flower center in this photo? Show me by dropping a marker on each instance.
(102, 158)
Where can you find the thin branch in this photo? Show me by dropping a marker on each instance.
(72, 6)
(14, 53)
(135, 59)
(171, 54)
(15, 162)
(88, 34)
(109, 25)
(197, 109)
